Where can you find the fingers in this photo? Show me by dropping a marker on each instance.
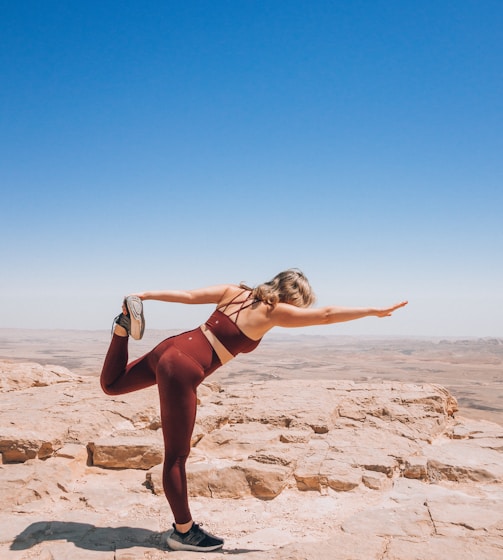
(389, 311)
(399, 305)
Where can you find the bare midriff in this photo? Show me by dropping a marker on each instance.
(221, 351)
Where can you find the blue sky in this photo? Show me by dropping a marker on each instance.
(149, 145)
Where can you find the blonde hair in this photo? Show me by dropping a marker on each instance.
(289, 286)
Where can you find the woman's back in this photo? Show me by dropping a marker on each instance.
(250, 315)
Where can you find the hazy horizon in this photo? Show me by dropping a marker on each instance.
(278, 332)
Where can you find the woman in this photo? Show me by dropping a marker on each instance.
(180, 363)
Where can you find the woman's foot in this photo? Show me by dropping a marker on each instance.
(122, 325)
(131, 320)
(134, 307)
(195, 540)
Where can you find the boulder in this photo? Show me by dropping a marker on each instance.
(339, 476)
(460, 461)
(266, 480)
(416, 467)
(126, 452)
(376, 480)
(17, 376)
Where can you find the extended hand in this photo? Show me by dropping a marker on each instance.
(387, 312)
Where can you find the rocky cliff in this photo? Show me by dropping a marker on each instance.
(280, 469)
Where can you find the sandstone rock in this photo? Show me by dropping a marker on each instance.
(209, 418)
(237, 441)
(295, 436)
(319, 423)
(266, 481)
(73, 451)
(286, 456)
(376, 480)
(16, 449)
(477, 429)
(440, 548)
(374, 460)
(462, 461)
(396, 521)
(437, 399)
(416, 467)
(307, 473)
(17, 376)
(343, 546)
(339, 476)
(225, 479)
(32, 481)
(292, 414)
(217, 479)
(71, 412)
(126, 452)
(472, 514)
(352, 411)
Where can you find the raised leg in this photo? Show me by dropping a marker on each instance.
(117, 377)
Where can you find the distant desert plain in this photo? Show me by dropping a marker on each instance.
(471, 369)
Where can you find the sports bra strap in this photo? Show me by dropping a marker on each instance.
(238, 311)
(233, 300)
(226, 305)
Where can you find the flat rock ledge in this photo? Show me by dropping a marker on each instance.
(281, 469)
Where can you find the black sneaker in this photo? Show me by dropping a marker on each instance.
(124, 321)
(134, 307)
(195, 540)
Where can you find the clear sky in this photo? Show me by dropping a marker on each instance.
(161, 144)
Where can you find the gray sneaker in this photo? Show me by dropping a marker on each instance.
(195, 540)
(134, 307)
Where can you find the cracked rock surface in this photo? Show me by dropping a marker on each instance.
(282, 469)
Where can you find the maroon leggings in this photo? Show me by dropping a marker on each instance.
(177, 365)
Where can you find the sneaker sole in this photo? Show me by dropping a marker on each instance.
(176, 545)
(135, 310)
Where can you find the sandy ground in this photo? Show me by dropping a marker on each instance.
(472, 369)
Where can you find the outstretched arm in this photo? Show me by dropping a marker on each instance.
(284, 315)
(210, 294)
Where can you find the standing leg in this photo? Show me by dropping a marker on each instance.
(178, 376)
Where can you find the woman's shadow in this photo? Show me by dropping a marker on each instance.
(90, 537)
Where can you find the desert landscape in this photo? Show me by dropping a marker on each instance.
(472, 369)
(311, 448)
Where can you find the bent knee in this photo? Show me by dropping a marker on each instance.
(109, 389)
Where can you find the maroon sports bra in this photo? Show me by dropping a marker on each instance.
(226, 329)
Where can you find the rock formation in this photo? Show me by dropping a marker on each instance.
(280, 469)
